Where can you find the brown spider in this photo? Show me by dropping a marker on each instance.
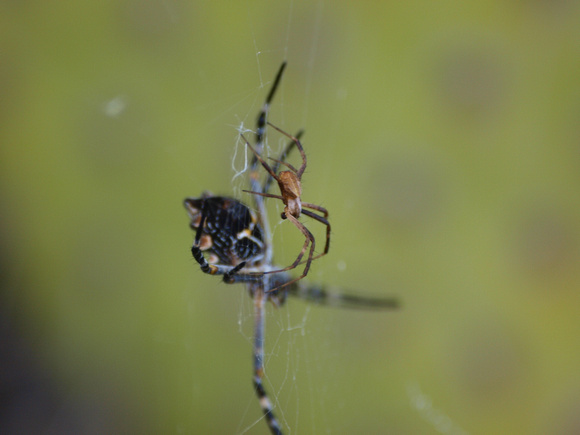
(290, 192)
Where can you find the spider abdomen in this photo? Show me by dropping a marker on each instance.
(291, 189)
(231, 232)
(289, 184)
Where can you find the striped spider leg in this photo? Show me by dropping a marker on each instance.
(338, 298)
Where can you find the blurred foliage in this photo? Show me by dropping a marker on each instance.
(443, 137)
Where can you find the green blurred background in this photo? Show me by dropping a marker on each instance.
(443, 137)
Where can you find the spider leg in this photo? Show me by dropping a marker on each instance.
(267, 195)
(198, 256)
(259, 157)
(309, 240)
(200, 226)
(260, 298)
(219, 269)
(288, 165)
(261, 122)
(320, 219)
(234, 271)
(316, 207)
(298, 145)
(281, 158)
(195, 249)
(336, 297)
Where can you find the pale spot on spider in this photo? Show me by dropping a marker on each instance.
(243, 234)
(205, 242)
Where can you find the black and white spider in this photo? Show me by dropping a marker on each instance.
(234, 241)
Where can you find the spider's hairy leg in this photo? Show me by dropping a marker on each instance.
(229, 276)
(298, 145)
(260, 298)
(198, 256)
(196, 249)
(261, 121)
(280, 162)
(336, 297)
(317, 208)
(320, 219)
(276, 83)
(267, 195)
(256, 276)
(202, 221)
(260, 159)
(309, 241)
(281, 158)
(218, 269)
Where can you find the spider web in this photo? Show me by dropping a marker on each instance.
(302, 343)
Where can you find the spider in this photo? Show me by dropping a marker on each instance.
(227, 229)
(238, 244)
(290, 186)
